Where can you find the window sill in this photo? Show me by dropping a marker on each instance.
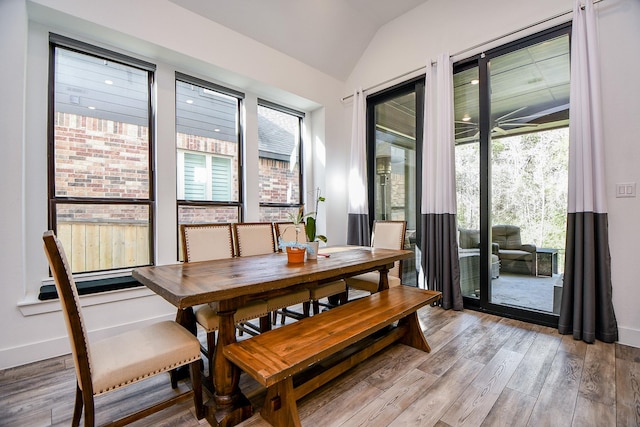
(91, 285)
(32, 305)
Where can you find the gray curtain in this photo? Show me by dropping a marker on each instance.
(587, 306)
(440, 261)
(358, 232)
(439, 252)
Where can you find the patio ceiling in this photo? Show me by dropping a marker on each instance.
(529, 92)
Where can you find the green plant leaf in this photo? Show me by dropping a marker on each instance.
(310, 229)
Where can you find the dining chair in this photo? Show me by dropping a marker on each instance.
(287, 231)
(385, 235)
(115, 362)
(205, 242)
(257, 238)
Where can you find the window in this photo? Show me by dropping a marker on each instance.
(208, 149)
(204, 176)
(280, 151)
(100, 154)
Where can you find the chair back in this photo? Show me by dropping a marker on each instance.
(204, 242)
(507, 236)
(287, 230)
(254, 238)
(389, 235)
(469, 239)
(68, 294)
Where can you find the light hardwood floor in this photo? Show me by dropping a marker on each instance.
(483, 371)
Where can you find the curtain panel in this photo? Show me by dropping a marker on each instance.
(587, 306)
(358, 232)
(439, 254)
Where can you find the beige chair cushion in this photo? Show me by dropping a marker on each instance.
(255, 239)
(138, 354)
(282, 301)
(369, 281)
(386, 235)
(328, 289)
(287, 230)
(207, 316)
(208, 242)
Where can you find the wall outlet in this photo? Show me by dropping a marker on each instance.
(626, 189)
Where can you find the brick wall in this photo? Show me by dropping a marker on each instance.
(102, 158)
(277, 183)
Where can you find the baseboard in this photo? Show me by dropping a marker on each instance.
(628, 336)
(42, 350)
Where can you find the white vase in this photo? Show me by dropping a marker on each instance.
(314, 246)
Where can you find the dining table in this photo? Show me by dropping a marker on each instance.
(234, 282)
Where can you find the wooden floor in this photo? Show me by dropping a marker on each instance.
(483, 370)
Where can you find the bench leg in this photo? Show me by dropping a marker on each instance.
(280, 407)
(413, 336)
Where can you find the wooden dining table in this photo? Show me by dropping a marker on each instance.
(232, 283)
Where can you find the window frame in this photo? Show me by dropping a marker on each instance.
(300, 115)
(238, 204)
(53, 200)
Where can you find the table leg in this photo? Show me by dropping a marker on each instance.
(384, 279)
(228, 406)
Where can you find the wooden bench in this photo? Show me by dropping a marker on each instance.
(273, 357)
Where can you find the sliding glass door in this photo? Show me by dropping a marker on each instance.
(512, 109)
(394, 140)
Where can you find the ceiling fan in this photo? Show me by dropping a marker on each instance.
(507, 121)
(503, 124)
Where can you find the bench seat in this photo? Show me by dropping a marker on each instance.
(272, 358)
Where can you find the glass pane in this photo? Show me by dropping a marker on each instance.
(195, 176)
(279, 152)
(221, 178)
(207, 214)
(104, 237)
(206, 137)
(529, 170)
(276, 214)
(101, 128)
(395, 163)
(466, 93)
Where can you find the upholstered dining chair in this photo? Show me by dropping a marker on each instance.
(287, 231)
(124, 359)
(257, 238)
(204, 242)
(385, 235)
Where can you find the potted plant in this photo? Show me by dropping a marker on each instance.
(308, 227)
(295, 249)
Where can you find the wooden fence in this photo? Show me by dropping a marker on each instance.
(104, 246)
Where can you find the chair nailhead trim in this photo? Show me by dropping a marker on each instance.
(149, 374)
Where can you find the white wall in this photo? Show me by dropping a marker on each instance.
(174, 39)
(453, 26)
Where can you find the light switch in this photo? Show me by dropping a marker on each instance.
(626, 189)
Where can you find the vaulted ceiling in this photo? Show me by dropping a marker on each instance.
(329, 35)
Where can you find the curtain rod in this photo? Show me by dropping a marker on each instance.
(559, 15)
